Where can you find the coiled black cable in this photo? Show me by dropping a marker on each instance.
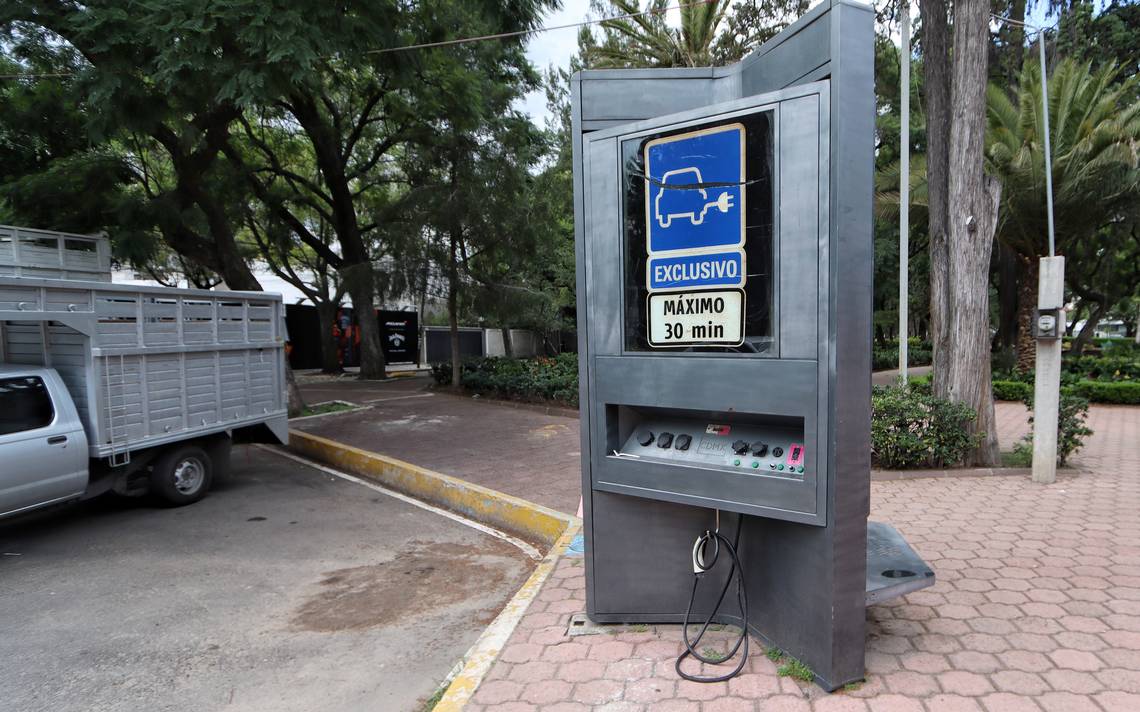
(702, 566)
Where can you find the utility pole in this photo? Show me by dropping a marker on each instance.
(1050, 311)
(904, 187)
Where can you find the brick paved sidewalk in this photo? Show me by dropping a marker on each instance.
(1037, 608)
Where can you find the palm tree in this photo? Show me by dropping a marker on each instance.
(1095, 136)
(647, 40)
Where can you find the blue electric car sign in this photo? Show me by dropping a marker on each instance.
(695, 233)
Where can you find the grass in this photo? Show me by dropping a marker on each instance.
(713, 654)
(325, 408)
(789, 666)
(795, 669)
(1017, 458)
(430, 703)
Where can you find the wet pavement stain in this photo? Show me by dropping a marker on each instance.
(424, 578)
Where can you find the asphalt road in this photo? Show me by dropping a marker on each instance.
(285, 589)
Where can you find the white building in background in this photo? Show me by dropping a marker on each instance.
(270, 282)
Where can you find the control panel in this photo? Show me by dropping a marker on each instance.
(762, 450)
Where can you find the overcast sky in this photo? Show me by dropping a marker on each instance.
(554, 47)
(557, 46)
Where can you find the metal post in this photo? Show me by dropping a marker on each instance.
(1048, 153)
(904, 188)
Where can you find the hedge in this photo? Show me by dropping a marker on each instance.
(530, 379)
(1120, 393)
(1123, 393)
(1012, 390)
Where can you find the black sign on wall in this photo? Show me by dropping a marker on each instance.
(399, 336)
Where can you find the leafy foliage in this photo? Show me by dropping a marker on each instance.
(534, 379)
(709, 33)
(911, 428)
(1071, 429)
(1094, 129)
(1012, 390)
(1100, 392)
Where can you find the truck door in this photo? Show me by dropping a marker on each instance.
(43, 449)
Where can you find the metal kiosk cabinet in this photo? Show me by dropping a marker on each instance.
(724, 249)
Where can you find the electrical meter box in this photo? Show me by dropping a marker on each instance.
(724, 250)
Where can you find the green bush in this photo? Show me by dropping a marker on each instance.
(532, 379)
(884, 359)
(1104, 368)
(911, 428)
(1126, 393)
(1071, 429)
(1012, 390)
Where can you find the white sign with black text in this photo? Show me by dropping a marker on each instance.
(689, 318)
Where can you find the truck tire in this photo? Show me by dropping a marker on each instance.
(182, 475)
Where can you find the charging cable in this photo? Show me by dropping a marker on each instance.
(703, 562)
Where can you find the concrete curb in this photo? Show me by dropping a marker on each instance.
(482, 655)
(513, 515)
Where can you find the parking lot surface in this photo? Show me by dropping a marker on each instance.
(285, 589)
(523, 451)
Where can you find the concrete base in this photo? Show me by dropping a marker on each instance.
(1047, 379)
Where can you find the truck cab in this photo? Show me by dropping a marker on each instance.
(42, 439)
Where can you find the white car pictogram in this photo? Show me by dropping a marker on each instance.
(685, 203)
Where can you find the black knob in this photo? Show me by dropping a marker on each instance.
(740, 447)
(665, 440)
(645, 438)
(682, 442)
(759, 449)
(777, 451)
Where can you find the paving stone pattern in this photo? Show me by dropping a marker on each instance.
(1037, 608)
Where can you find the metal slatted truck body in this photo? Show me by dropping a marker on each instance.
(150, 384)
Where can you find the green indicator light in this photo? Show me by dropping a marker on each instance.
(800, 468)
(756, 464)
(779, 467)
(736, 462)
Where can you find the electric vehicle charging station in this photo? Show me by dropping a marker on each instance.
(724, 244)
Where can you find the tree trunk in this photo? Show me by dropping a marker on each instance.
(326, 319)
(358, 280)
(1074, 316)
(1008, 284)
(296, 404)
(508, 346)
(936, 102)
(975, 197)
(1089, 329)
(1026, 305)
(453, 306)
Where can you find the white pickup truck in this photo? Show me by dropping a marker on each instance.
(107, 387)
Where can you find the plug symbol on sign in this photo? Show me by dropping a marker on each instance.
(686, 203)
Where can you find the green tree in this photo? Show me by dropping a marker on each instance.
(710, 33)
(1095, 128)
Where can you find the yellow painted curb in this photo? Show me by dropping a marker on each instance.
(513, 515)
(486, 650)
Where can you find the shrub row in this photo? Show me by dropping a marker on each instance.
(530, 379)
(1101, 392)
(886, 359)
(1123, 393)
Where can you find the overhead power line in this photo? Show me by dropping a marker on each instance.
(448, 43)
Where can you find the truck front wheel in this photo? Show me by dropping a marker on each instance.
(182, 475)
